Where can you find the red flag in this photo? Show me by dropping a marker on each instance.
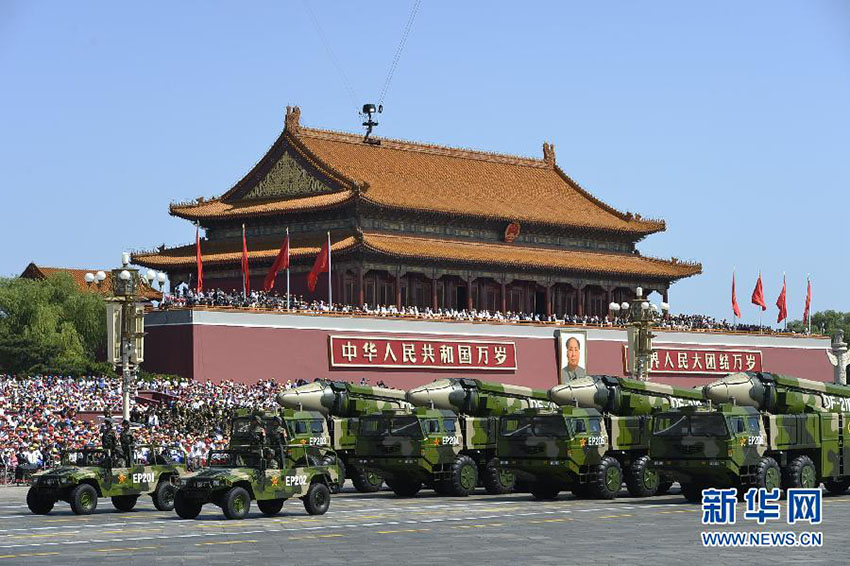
(246, 281)
(735, 308)
(200, 286)
(321, 266)
(758, 295)
(808, 300)
(781, 304)
(281, 262)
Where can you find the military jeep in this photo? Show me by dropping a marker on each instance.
(88, 474)
(265, 474)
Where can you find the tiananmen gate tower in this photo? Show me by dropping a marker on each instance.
(422, 225)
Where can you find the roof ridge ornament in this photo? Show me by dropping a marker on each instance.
(549, 154)
(291, 122)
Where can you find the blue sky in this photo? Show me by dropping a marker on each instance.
(730, 120)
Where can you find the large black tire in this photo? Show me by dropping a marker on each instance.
(641, 479)
(124, 502)
(837, 487)
(497, 480)
(692, 492)
(801, 472)
(608, 480)
(366, 481)
(768, 475)
(83, 499)
(464, 477)
(270, 507)
(38, 503)
(545, 491)
(404, 487)
(186, 508)
(163, 495)
(236, 503)
(443, 487)
(318, 499)
(663, 487)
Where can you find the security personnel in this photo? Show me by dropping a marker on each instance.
(109, 441)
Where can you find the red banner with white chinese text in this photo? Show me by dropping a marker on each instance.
(682, 361)
(418, 353)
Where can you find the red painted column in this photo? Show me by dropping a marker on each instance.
(398, 291)
(504, 298)
(469, 295)
(360, 291)
(580, 295)
(434, 293)
(548, 300)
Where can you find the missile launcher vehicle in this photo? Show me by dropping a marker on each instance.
(761, 430)
(342, 404)
(599, 435)
(448, 442)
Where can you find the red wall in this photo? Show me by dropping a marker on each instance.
(251, 353)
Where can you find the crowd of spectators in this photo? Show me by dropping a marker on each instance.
(41, 415)
(187, 298)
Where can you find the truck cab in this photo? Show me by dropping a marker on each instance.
(557, 449)
(412, 448)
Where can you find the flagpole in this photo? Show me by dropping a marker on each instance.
(734, 318)
(244, 294)
(330, 284)
(287, 269)
(808, 298)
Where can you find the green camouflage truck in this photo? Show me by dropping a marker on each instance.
(602, 429)
(87, 474)
(761, 430)
(448, 442)
(249, 427)
(342, 404)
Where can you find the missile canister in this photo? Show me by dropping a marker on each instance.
(477, 398)
(622, 396)
(342, 399)
(778, 393)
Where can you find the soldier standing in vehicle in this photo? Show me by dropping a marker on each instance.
(127, 441)
(258, 433)
(278, 433)
(108, 440)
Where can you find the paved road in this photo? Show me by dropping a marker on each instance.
(382, 529)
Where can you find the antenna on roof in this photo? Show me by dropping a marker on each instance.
(368, 110)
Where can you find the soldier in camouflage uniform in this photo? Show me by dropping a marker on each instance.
(127, 441)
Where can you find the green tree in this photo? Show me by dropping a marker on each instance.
(825, 322)
(50, 326)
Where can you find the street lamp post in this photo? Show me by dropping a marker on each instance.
(640, 316)
(125, 324)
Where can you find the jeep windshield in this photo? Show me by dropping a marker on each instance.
(85, 457)
(675, 425)
(233, 459)
(407, 426)
(546, 426)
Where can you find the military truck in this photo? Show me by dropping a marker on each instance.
(263, 473)
(87, 474)
(342, 404)
(433, 445)
(602, 428)
(761, 430)
(250, 427)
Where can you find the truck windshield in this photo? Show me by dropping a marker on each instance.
(549, 426)
(690, 425)
(374, 426)
(84, 458)
(406, 426)
(233, 459)
(516, 427)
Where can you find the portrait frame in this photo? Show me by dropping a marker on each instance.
(563, 336)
